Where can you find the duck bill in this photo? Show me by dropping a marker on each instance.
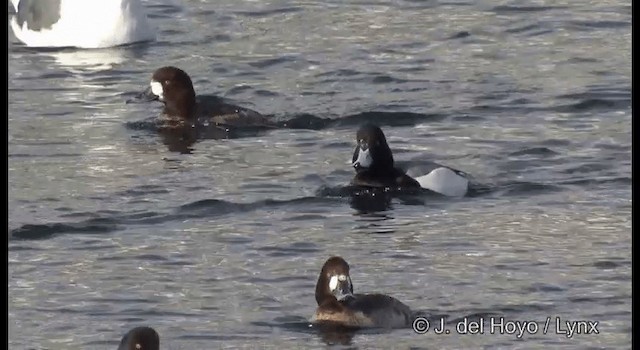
(341, 286)
(343, 290)
(361, 159)
(145, 96)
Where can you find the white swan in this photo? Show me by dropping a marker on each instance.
(80, 23)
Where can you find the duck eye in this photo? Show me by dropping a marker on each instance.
(167, 82)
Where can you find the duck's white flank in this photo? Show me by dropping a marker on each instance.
(444, 181)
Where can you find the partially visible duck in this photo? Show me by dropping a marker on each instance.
(140, 338)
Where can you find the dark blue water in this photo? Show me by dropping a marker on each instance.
(111, 227)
